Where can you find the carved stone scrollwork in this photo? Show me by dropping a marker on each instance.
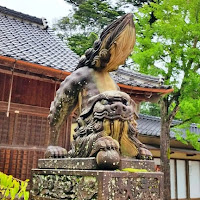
(65, 187)
(96, 185)
(134, 188)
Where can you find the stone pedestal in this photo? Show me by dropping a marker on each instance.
(80, 179)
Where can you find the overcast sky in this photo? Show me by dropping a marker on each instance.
(50, 9)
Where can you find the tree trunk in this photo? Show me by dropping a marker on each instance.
(165, 149)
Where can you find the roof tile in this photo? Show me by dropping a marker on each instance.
(151, 126)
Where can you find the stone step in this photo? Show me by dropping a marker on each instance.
(90, 164)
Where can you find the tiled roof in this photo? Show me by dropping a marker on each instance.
(129, 77)
(24, 37)
(20, 15)
(151, 126)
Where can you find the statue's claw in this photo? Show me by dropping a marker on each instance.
(104, 143)
(106, 150)
(55, 152)
(144, 154)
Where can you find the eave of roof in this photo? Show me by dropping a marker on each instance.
(156, 90)
(151, 126)
(126, 76)
(32, 67)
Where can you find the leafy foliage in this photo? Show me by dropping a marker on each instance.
(189, 138)
(137, 3)
(170, 47)
(87, 16)
(79, 42)
(148, 108)
(96, 13)
(12, 188)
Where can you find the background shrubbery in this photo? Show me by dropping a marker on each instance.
(12, 188)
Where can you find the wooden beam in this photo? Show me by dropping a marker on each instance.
(20, 73)
(32, 67)
(24, 109)
(161, 91)
(21, 147)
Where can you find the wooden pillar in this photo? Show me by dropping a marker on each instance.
(15, 129)
(176, 182)
(165, 150)
(10, 92)
(187, 179)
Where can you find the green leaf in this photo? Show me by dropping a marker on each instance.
(20, 193)
(16, 186)
(26, 195)
(2, 179)
(80, 28)
(9, 181)
(7, 192)
(13, 193)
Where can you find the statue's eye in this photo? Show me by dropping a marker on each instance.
(104, 102)
(125, 102)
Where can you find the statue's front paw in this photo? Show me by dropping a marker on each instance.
(55, 152)
(106, 150)
(145, 154)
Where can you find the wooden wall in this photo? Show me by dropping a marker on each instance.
(24, 134)
(27, 91)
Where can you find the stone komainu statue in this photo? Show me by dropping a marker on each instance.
(106, 123)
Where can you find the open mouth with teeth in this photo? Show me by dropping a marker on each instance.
(115, 128)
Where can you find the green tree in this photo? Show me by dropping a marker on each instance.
(80, 28)
(149, 108)
(79, 42)
(170, 47)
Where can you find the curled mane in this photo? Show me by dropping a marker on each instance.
(99, 55)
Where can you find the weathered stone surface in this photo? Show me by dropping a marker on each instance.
(90, 163)
(96, 185)
(79, 178)
(149, 165)
(64, 186)
(68, 163)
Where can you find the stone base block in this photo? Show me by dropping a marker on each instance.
(87, 184)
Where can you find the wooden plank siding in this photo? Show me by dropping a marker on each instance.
(23, 140)
(24, 135)
(27, 91)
